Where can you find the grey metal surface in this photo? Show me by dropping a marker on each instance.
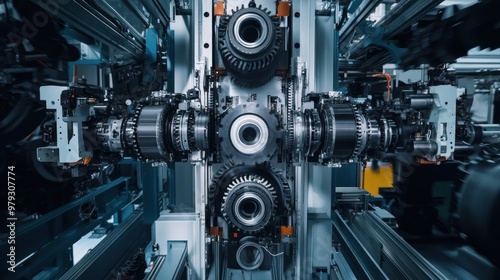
(161, 11)
(113, 251)
(48, 238)
(70, 143)
(390, 251)
(360, 262)
(151, 179)
(171, 266)
(457, 261)
(182, 226)
(109, 133)
(442, 117)
(150, 132)
(43, 230)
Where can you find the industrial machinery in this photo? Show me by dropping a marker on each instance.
(228, 140)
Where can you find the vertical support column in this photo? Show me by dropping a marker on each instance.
(203, 45)
(203, 60)
(170, 59)
(217, 255)
(319, 230)
(335, 60)
(303, 33)
(148, 181)
(201, 185)
(324, 54)
(301, 221)
(307, 10)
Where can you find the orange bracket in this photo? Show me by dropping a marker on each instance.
(219, 8)
(283, 9)
(216, 231)
(286, 230)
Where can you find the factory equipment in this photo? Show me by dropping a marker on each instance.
(234, 147)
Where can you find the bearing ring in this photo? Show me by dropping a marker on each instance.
(249, 134)
(250, 26)
(250, 254)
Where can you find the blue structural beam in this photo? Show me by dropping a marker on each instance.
(64, 225)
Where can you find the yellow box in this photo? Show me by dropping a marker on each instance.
(379, 178)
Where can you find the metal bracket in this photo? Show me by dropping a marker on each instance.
(69, 129)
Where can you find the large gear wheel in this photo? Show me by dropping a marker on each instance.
(249, 43)
(249, 203)
(249, 198)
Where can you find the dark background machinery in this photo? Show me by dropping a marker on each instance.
(211, 134)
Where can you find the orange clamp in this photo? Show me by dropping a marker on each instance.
(215, 231)
(219, 9)
(283, 9)
(286, 230)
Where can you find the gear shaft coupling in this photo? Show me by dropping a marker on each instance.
(155, 133)
(336, 131)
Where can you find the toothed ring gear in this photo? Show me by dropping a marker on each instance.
(249, 203)
(249, 197)
(249, 42)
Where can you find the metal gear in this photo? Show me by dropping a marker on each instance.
(291, 115)
(341, 136)
(374, 133)
(149, 140)
(249, 43)
(314, 132)
(132, 132)
(182, 128)
(189, 131)
(361, 132)
(249, 203)
(246, 195)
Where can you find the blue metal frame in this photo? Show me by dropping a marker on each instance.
(50, 236)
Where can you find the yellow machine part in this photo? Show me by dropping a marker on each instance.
(375, 179)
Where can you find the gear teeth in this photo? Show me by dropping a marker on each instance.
(135, 145)
(244, 179)
(281, 208)
(240, 67)
(359, 134)
(290, 116)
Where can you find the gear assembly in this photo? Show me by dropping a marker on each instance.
(239, 139)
